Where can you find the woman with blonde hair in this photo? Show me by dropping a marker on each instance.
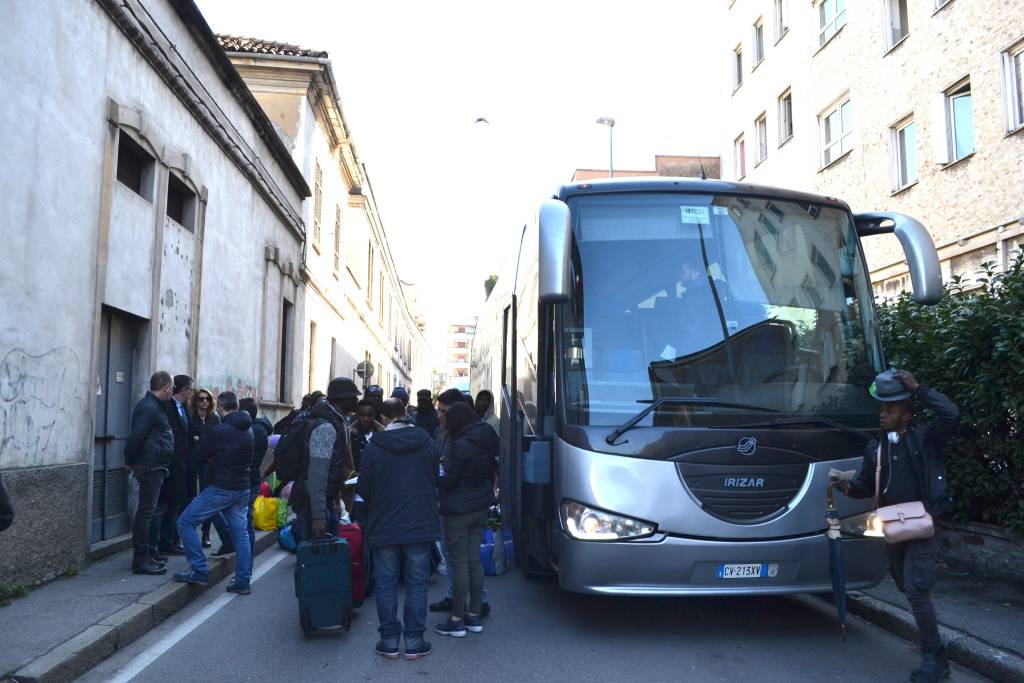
(202, 418)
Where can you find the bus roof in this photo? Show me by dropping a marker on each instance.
(695, 185)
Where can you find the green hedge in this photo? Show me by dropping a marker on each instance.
(970, 346)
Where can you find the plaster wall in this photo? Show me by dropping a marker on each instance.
(129, 285)
(66, 63)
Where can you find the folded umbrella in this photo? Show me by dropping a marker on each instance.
(836, 564)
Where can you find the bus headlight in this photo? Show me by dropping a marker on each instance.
(867, 524)
(589, 524)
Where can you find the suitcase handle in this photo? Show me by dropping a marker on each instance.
(319, 544)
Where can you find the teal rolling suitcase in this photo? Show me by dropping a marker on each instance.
(323, 584)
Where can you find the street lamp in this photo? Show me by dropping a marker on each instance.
(610, 122)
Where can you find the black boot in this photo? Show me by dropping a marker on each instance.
(206, 539)
(934, 667)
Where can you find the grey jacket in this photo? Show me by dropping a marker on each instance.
(150, 441)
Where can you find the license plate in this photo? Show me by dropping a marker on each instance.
(742, 571)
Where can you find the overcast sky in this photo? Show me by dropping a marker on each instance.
(413, 77)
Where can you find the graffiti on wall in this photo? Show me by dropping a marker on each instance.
(41, 403)
(229, 382)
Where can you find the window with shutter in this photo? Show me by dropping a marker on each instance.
(337, 238)
(318, 178)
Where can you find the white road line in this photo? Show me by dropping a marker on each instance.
(151, 654)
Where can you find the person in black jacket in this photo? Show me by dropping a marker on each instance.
(426, 414)
(148, 451)
(6, 509)
(398, 482)
(261, 431)
(174, 495)
(467, 493)
(912, 470)
(228, 449)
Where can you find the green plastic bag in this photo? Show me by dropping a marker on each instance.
(282, 512)
(272, 480)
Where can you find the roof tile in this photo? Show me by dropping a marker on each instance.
(267, 47)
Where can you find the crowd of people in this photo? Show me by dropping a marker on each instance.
(417, 478)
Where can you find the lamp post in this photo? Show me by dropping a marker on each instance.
(610, 122)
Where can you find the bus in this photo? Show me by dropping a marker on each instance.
(679, 365)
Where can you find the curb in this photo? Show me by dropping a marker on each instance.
(82, 652)
(962, 648)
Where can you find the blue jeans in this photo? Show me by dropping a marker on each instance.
(451, 572)
(253, 492)
(412, 560)
(209, 502)
(219, 523)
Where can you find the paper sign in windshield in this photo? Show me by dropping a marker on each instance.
(694, 215)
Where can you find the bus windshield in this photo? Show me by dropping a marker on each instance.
(739, 300)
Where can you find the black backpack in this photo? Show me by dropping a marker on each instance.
(291, 457)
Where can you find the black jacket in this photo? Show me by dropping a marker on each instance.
(6, 509)
(150, 441)
(261, 431)
(199, 428)
(398, 481)
(427, 419)
(926, 443)
(175, 488)
(468, 482)
(228, 448)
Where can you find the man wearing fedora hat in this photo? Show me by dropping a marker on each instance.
(912, 470)
(329, 463)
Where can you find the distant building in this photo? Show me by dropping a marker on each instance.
(664, 165)
(460, 339)
(357, 308)
(908, 106)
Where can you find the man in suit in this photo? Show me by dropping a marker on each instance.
(174, 493)
(148, 452)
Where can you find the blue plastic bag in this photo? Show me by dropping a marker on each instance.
(289, 537)
(497, 559)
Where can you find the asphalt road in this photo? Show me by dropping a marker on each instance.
(536, 632)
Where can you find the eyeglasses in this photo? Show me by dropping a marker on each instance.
(203, 399)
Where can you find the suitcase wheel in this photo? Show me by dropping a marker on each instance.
(304, 622)
(346, 621)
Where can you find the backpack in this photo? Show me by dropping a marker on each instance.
(292, 453)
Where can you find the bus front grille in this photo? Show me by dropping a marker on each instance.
(743, 494)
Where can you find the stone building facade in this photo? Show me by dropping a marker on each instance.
(357, 308)
(912, 106)
(152, 220)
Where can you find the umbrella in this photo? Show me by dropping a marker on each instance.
(836, 566)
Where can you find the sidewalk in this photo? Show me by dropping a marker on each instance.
(65, 627)
(982, 620)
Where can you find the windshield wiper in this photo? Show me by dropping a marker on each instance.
(679, 401)
(796, 421)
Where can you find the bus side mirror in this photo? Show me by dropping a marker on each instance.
(555, 236)
(922, 259)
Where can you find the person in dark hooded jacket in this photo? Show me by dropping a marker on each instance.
(398, 482)
(467, 493)
(228, 449)
(426, 414)
(261, 431)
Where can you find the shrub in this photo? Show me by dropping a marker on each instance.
(970, 346)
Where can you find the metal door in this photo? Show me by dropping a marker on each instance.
(110, 513)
